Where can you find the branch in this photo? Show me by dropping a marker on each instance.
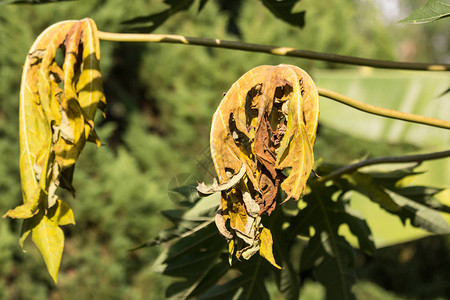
(384, 160)
(384, 112)
(283, 51)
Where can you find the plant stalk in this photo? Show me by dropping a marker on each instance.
(282, 51)
(384, 160)
(384, 112)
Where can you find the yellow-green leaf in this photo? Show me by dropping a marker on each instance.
(49, 239)
(61, 214)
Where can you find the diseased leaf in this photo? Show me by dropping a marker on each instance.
(266, 122)
(432, 10)
(57, 108)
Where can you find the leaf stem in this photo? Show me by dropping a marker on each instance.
(384, 112)
(384, 160)
(282, 51)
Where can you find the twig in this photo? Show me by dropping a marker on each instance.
(283, 51)
(384, 112)
(384, 160)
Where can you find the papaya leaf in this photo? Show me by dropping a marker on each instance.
(432, 10)
(420, 215)
(196, 258)
(287, 279)
(57, 108)
(197, 285)
(328, 255)
(283, 10)
(250, 284)
(416, 203)
(266, 122)
(153, 21)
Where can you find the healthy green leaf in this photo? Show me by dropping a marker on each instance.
(432, 10)
(416, 203)
(421, 215)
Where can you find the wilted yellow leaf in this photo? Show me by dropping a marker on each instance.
(49, 239)
(266, 121)
(57, 107)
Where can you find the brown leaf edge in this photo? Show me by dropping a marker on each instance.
(266, 121)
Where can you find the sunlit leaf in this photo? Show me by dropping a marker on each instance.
(432, 10)
(267, 122)
(58, 102)
(49, 239)
(265, 249)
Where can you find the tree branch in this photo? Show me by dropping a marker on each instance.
(384, 112)
(384, 160)
(283, 51)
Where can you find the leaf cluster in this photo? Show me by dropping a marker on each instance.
(307, 240)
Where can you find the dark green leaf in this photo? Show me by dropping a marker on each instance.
(226, 291)
(248, 286)
(282, 9)
(432, 10)
(328, 255)
(414, 202)
(331, 258)
(421, 215)
(153, 21)
(287, 279)
(423, 195)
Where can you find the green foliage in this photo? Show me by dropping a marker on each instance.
(284, 10)
(281, 9)
(160, 99)
(312, 229)
(432, 10)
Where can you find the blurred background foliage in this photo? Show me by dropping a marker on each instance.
(161, 98)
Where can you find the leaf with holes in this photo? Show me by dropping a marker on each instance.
(267, 122)
(58, 101)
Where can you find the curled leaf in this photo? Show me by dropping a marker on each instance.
(60, 92)
(205, 190)
(267, 122)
